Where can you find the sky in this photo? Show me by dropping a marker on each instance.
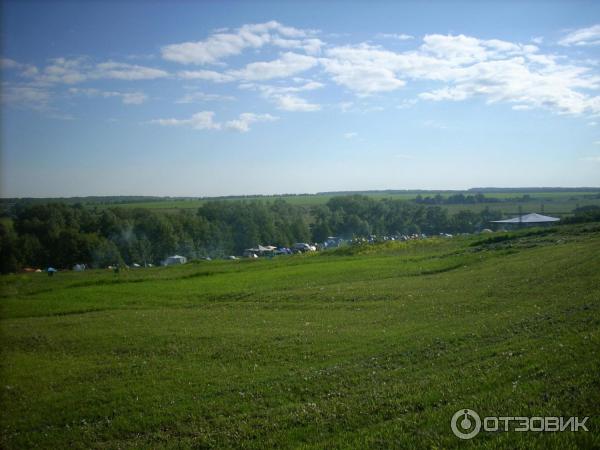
(229, 98)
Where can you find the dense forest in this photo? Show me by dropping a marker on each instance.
(61, 235)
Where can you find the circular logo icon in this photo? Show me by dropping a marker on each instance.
(466, 424)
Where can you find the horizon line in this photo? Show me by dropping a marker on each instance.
(488, 189)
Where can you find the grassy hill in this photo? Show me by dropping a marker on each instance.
(363, 347)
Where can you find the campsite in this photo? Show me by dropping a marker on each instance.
(65, 235)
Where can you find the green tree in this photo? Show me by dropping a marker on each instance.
(10, 260)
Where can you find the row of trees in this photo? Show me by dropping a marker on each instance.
(455, 199)
(589, 213)
(61, 235)
(470, 199)
(361, 216)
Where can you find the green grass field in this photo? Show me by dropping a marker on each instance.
(561, 203)
(364, 347)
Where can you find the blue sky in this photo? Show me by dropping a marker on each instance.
(221, 98)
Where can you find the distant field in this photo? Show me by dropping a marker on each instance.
(560, 207)
(553, 202)
(365, 347)
(303, 200)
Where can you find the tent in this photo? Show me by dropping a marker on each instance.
(528, 219)
(261, 250)
(175, 259)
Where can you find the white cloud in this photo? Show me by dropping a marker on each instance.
(29, 71)
(461, 49)
(312, 46)
(221, 45)
(242, 124)
(128, 98)
(26, 70)
(522, 107)
(286, 98)
(496, 70)
(7, 64)
(33, 97)
(537, 40)
(62, 70)
(208, 75)
(197, 97)
(582, 37)
(350, 135)
(515, 81)
(204, 120)
(218, 46)
(287, 65)
(364, 69)
(445, 93)
(290, 102)
(133, 98)
(367, 69)
(452, 67)
(37, 98)
(123, 71)
(493, 69)
(309, 85)
(78, 70)
(364, 79)
(400, 36)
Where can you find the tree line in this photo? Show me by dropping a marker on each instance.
(455, 199)
(61, 235)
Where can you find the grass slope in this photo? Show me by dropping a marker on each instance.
(368, 347)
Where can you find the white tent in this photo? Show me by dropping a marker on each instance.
(175, 259)
(529, 219)
(260, 250)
